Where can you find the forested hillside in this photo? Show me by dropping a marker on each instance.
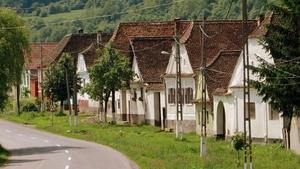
(50, 20)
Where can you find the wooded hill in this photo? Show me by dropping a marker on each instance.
(50, 20)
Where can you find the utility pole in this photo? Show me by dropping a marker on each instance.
(203, 106)
(247, 119)
(68, 92)
(42, 91)
(179, 99)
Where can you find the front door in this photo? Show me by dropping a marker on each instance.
(157, 111)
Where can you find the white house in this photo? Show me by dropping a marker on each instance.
(266, 124)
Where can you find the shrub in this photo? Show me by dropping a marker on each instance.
(237, 143)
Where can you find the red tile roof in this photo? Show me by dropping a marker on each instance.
(71, 44)
(223, 35)
(125, 31)
(219, 72)
(261, 30)
(34, 60)
(152, 64)
(90, 54)
(223, 45)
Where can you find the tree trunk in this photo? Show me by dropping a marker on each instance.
(105, 111)
(113, 106)
(101, 110)
(287, 121)
(18, 100)
(61, 107)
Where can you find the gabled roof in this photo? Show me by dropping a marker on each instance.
(90, 54)
(71, 44)
(152, 64)
(125, 31)
(34, 60)
(219, 72)
(261, 30)
(223, 46)
(222, 35)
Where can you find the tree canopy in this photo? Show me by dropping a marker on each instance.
(104, 15)
(54, 84)
(111, 72)
(14, 45)
(279, 83)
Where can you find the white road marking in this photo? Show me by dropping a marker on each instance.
(69, 158)
(46, 141)
(8, 131)
(33, 137)
(66, 151)
(58, 145)
(67, 167)
(20, 134)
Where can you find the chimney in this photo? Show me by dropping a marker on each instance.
(99, 37)
(260, 18)
(80, 30)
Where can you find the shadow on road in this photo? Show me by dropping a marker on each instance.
(39, 150)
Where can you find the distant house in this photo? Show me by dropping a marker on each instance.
(147, 96)
(39, 52)
(142, 43)
(222, 48)
(152, 95)
(86, 59)
(228, 96)
(72, 44)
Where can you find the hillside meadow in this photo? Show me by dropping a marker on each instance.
(152, 148)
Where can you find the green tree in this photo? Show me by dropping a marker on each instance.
(55, 81)
(14, 45)
(279, 83)
(111, 72)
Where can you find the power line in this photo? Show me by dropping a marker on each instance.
(95, 17)
(229, 9)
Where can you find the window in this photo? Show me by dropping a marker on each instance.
(274, 115)
(252, 110)
(188, 95)
(171, 96)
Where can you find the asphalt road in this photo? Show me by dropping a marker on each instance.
(33, 149)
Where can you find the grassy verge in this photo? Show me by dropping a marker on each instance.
(3, 155)
(151, 148)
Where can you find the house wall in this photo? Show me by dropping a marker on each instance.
(263, 129)
(189, 117)
(135, 108)
(154, 114)
(209, 122)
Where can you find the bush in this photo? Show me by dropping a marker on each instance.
(27, 104)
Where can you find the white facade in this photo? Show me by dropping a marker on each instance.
(188, 109)
(265, 124)
(86, 104)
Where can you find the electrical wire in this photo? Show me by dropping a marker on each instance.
(102, 16)
(229, 9)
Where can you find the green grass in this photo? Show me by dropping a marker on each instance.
(150, 148)
(3, 155)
